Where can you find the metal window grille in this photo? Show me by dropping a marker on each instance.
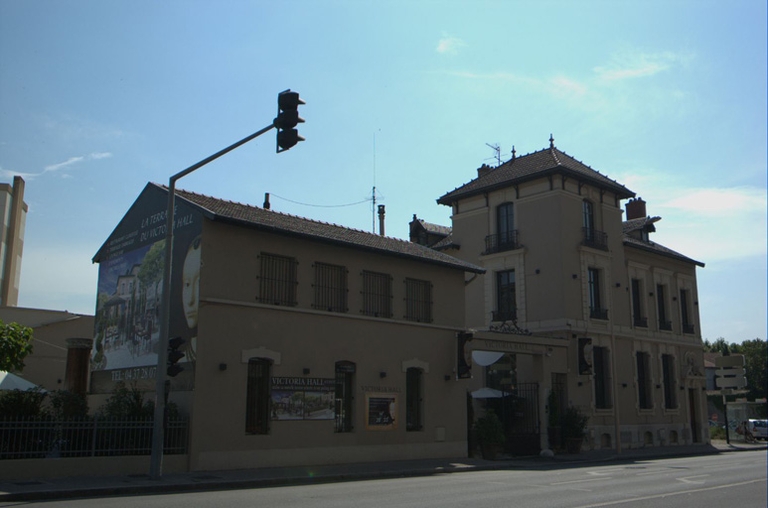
(414, 401)
(345, 372)
(602, 377)
(30, 438)
(330, 287)
(644, 391)
(277, 280)
(418, 300)
(377, 294)
(258, 396)
(668, 371)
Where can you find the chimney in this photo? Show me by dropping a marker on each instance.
(636, 209)
(483, 170)
(267, 206)
(381, 220)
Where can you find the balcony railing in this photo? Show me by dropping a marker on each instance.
(641, 322)
(506, 315)
(688, 328)
(665, 325)
(501, 242)
(595, 239)
(598, 313)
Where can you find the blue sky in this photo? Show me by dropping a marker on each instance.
(669, 98)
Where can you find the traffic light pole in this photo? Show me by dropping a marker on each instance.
(156, 459)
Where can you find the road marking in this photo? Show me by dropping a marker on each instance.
(582, 481)
(687, 479)
(656, 496)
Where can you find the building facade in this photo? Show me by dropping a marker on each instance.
(305, 342)
(578, 303)
(13, 216)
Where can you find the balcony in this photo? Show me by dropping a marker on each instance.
(665, 325)
(598, 314)
(688, 328)
(641, 322)
(594, 238)
(501, 242)
(506, 315)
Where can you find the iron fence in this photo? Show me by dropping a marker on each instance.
(34, 438)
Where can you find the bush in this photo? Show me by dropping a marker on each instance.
(22, 404)
(127, 403)
(489, 429)
(66, 405)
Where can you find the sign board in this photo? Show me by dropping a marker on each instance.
(729, 361)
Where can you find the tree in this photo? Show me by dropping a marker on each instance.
(15, 345)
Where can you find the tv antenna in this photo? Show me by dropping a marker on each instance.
(496, 148)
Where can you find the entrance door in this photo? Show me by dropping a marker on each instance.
(692, 415)
(521, 420)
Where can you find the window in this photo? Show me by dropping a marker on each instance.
(506, 301)
(637, 305)
(668, 371)
(345, 373)
(258, 396)
(418, 300)
(588, 216)
(685, 310)
(505, 226)
(595, 308)
(377, 294)
(602, 378)
(277, 280)
(644, 383)
(664, 322)
(414, 412)
(330, 288)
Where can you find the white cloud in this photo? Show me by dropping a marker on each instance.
(58, 166)
(721, 202)
(630, 64)
(449, 45)
(100, 155)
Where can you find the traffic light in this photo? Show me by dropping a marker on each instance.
(174, 355)
(287, 118)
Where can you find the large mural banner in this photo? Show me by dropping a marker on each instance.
(299, 398)
(130, 288)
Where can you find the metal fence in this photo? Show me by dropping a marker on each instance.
(26, 438)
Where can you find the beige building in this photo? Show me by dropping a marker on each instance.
(306, 342)
(576, 301)
(13, 215)
(61, 341)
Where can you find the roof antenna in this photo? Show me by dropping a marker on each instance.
(497, 149)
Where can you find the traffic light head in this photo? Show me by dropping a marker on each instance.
(287, 118)
(174, 355)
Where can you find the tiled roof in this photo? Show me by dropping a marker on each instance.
(281, 223)
(658, 249)
(435, 228)
(639, 223)
(531, 166)
(445, 243)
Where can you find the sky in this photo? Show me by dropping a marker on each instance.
(667, 97)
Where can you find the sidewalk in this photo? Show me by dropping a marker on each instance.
(77, 487)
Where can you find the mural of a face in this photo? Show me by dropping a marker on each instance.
(190, 292)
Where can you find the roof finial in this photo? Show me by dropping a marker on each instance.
(513, 152)
(551, 141)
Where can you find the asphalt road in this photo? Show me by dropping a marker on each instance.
(732, 480)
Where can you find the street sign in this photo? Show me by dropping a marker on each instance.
(729, 361)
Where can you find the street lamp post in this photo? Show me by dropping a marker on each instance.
(161, 382)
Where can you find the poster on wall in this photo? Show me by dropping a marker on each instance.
(381, 411)
(302, 398)
(130, 286)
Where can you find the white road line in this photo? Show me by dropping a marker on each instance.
(657, 496)
(583, 481)
(687, 479)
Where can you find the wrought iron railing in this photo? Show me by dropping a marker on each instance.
(598, 313)
(641, 322)
(688, 328)
(504, 315)
(502, 242)
(595, 239)
(29, 438)
(665, 325)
